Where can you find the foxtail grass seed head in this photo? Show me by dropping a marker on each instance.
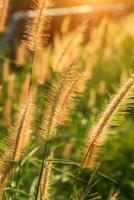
(18, 141)
(97, 136)
(36, 35)
(23, 127)
(62, 99)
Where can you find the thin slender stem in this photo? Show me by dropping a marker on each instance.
(18, 175)
(74, 182)
(11, 178)
(77, 175)
(42, 167)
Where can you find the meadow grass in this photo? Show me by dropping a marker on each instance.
(62, 135)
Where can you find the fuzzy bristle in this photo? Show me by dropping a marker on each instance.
(23, 128)
(97, 136)
(17, 142)
(61, 99)
(35, 31)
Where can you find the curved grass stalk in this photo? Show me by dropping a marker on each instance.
(61, 99)
(97, 136)
(49, 123)
(120, 102)
(17, 143)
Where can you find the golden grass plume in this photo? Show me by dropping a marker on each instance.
(23, 128)
(97, 136)
(61, 99)
(35, 35)
(17, 142)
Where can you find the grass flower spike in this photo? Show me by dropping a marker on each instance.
(35, 32)
(97, 136)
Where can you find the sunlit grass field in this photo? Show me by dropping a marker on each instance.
(67, 111)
